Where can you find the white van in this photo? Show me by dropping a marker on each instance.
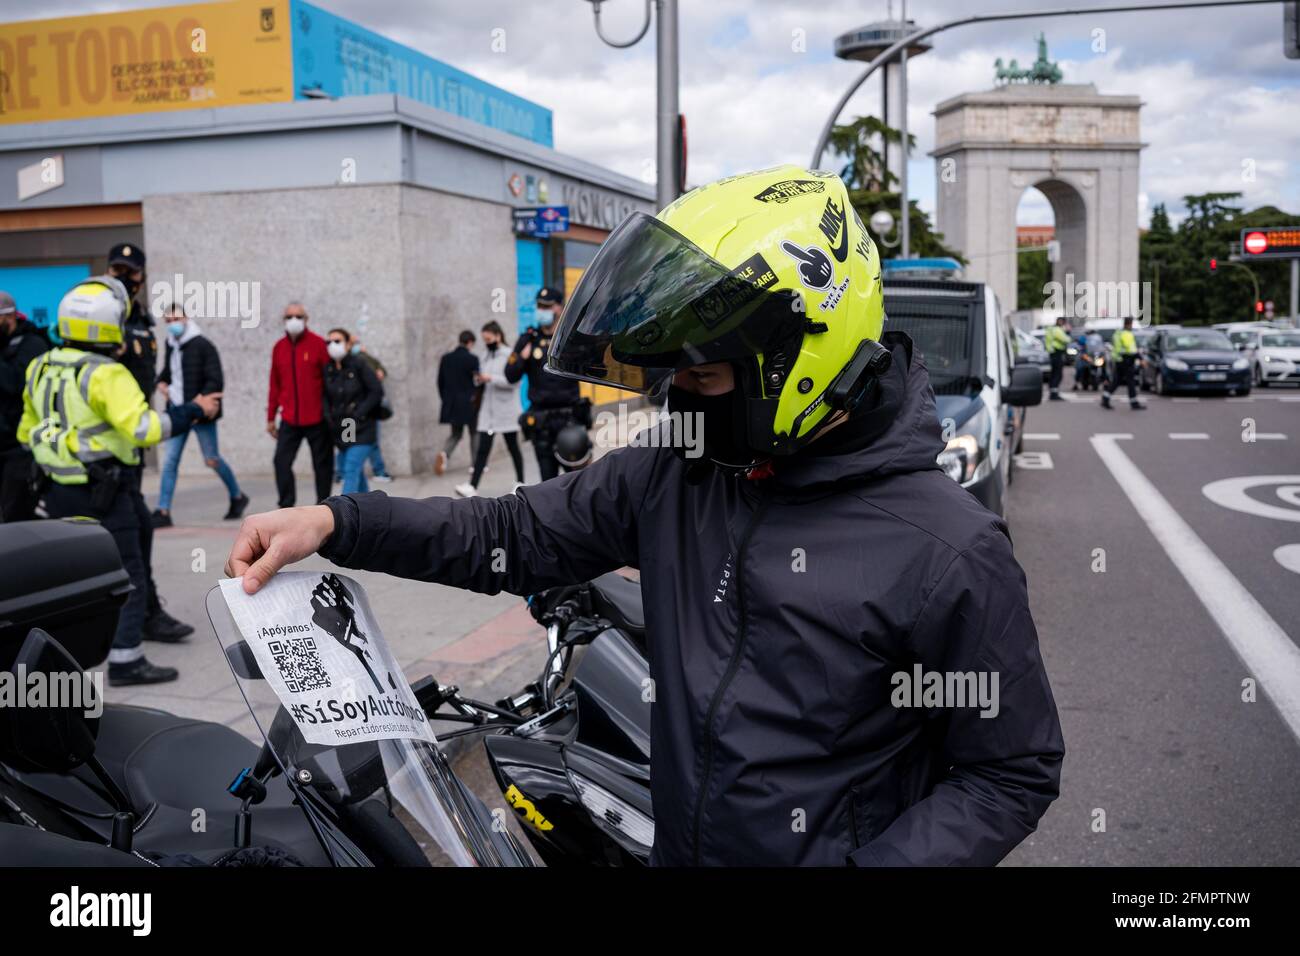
(980, 391)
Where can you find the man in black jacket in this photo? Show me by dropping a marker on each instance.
(458, 397)
(845, 668)
(20, 342)
(192, 366)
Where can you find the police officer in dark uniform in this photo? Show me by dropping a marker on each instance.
(554, 401)
(126, 264)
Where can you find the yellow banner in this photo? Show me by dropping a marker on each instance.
(144, 61)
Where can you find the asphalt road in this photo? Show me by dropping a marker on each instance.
(1161, 747)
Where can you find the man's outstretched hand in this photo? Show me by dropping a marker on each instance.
(268, 542)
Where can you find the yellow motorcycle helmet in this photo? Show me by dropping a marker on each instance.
(93, 311)
(771, 271)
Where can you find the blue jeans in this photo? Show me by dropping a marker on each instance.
(175, 446)
(377, 466)
(352, 465)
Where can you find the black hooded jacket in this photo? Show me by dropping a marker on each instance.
(780, 615)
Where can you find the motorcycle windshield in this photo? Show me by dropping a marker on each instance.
(346, 729)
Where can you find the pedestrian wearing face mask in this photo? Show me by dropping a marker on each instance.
(192, 366)
(378, 470)
(498, 411)
(297, 381)
(352, 399)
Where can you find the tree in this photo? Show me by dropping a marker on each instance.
(1033, 272)
(866, 167)
(870, 183)
(1179, 260)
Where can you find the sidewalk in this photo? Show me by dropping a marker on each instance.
(488, 645)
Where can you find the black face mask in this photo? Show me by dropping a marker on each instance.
(492, 347)
(130, 285)
(721, 414)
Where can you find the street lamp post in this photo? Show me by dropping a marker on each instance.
(905, 224)
(667, 113)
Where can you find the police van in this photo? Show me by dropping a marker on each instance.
(967, 345)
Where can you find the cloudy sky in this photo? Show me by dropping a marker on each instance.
(758, 79)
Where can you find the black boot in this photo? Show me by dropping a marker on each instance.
(161, 626)
(237, 506)
(140, 671)
(1105, 400)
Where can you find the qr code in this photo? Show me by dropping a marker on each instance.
(299, 664)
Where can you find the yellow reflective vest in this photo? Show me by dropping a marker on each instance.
(82, 407)
(1055, 339)
(1123, 344)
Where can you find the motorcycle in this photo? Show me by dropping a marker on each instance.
(1090, 373)
(571, 751)
(140, 786)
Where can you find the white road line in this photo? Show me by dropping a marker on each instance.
(1042, 436)
(1189, 436)
(1289, 557)
(1269, 655)
(1269, 436)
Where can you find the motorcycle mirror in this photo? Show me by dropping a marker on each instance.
(59, 736)
(242, 661)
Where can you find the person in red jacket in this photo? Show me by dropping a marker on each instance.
(297, 382)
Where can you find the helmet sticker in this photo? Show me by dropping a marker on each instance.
(790, 189)
(835, 223)
(833, 297)
(755, 271)
(741, 286)
(815, 269)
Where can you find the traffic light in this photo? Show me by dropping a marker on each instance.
(1259, 306)
(1214, 266)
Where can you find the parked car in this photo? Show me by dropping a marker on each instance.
(1240, 332)
(980, 391)
(1195, 360)
(1145, 336)
(1030, 351)
(1274, 356)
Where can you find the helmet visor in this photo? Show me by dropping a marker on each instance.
(653, 303)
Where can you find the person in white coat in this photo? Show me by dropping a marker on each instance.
(499, 409)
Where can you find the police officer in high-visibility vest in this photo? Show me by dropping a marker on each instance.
(1124, 355)
(1057, 341)
(85, 419)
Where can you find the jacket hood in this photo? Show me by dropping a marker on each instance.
(897, 432)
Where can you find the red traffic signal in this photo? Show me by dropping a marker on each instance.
(1214, 265)
(1259, 306)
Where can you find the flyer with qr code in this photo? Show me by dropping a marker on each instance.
(321, 651)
